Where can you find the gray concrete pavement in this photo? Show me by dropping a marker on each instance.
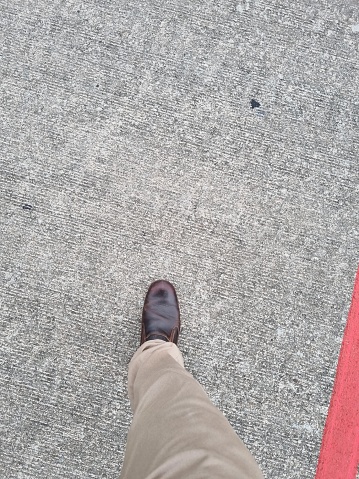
(130, 152)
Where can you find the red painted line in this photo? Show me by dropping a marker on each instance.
(339, 454)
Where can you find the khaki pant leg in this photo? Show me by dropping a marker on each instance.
(176, 432)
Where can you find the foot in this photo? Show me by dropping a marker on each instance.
(160, 315)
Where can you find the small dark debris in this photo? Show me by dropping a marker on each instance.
(26, 206)
(97, 85)
(255, 104)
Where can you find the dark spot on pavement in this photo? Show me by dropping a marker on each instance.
(26, 206)
(255, 104)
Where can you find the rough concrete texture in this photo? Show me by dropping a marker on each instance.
(130, 152)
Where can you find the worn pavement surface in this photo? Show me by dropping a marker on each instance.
(214, 144)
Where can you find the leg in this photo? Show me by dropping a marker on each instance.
(177, 433)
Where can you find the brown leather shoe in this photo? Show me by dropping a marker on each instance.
(160, 315)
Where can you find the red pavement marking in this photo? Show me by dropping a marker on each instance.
(339, 454)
